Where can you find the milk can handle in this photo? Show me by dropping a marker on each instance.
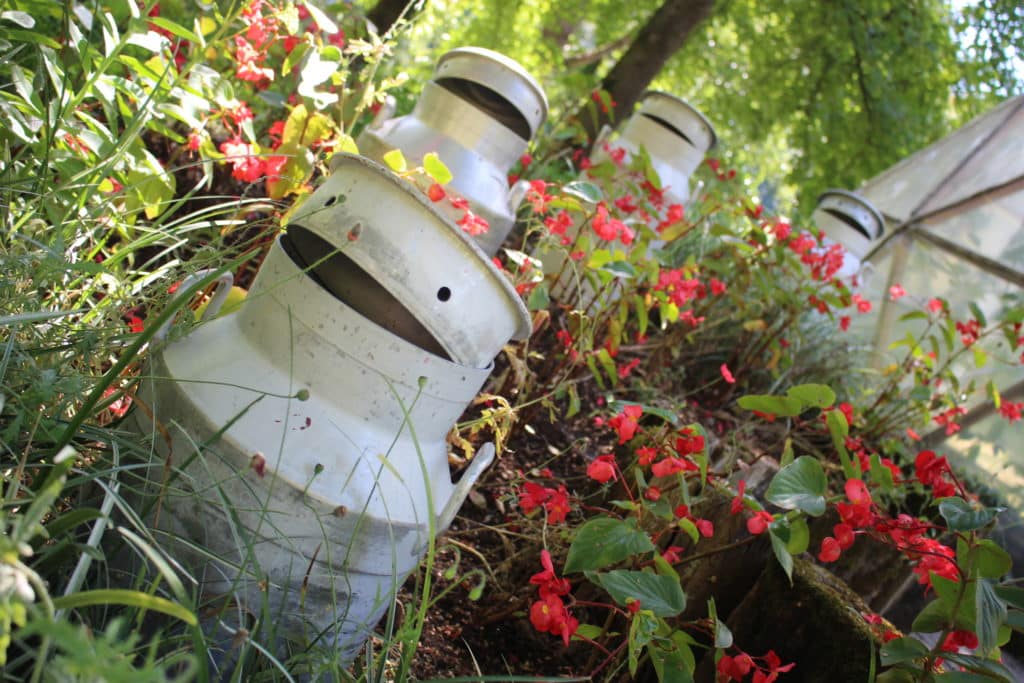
(483, 458)
(224, 283)
(865, 272)
(517, 194)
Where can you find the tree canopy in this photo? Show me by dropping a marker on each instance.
(804, 95)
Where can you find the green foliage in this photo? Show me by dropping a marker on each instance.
(604, 541)
(659, 594)
(804, 97)
(114, 165)
(800, 485)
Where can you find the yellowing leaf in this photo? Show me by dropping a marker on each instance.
(436, 169)
(293, 174)
(396, 161)
(670, 312)
(347, 144)
(676, 230)
(754, 325)
(302, 129)
(235, 298)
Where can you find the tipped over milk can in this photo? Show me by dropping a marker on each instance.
(851, 221)
(478, 114)
(675, 134)
(389, 317)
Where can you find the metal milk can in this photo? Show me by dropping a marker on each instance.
(676, 136)
(478, 114)
(385, 318)
(850, 220)
(674, 133)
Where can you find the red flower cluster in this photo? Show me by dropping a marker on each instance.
(686, 445)
(934, 471)
(705, 526)
(969, 331)
(470, 222)
(616, 154)
(1011, 411)
(680, 289)
(833, 546)
(758, 522)
(549, 614)
(858, 513)
(933, 557)
(948, 418)
(609, 229)
(626, 423)
(554, 501)
(559, 224)
(958, 639)
(675, 214)
(626, 203)
(602, 469)
(863, 305)
(907, 534)
(737, 668)
(246, 164)
(537, 196)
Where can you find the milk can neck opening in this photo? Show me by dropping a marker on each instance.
(347, 282)
(662, 122)
(491, 102)
(850, 221)
(853, 210)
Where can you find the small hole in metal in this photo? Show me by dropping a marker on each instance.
(444, 294)
(330, 201)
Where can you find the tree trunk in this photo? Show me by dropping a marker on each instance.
(655, 43)
(386, 12)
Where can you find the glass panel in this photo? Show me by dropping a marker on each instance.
(987, 450)
(1001, 161)
(873, 282)
(930, 272)
(994, 229)
(904, 187)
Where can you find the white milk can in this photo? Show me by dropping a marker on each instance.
(675, 135)
(850, 220)
(478, 114)
(385, 318)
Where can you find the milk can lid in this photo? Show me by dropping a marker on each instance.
(501, 74)
(681, 115)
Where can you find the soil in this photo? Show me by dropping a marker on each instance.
(493, 635)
